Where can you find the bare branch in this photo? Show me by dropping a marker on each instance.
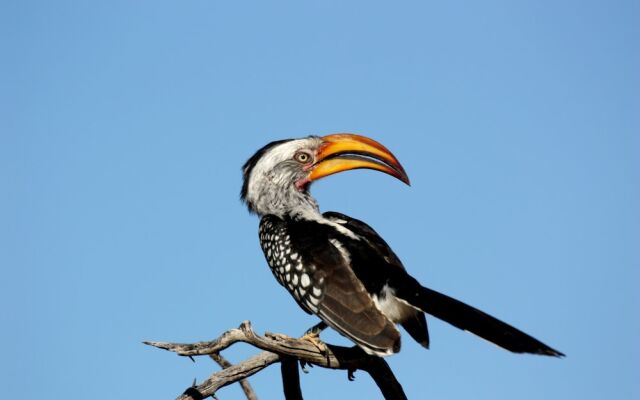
(244, 384)
(278, 348)
(230, 375)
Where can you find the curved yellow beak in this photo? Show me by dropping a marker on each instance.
(345, 151)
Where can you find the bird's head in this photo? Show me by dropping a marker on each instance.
(277, 177)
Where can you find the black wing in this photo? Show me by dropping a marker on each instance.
(442, 306)
(379, 262)
(319, 277)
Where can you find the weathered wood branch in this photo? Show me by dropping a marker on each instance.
(287, 351)
(244, 383)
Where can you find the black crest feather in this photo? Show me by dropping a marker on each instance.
(248, 166)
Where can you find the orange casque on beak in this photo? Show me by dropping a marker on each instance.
(345, 151)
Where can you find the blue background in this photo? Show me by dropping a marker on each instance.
(124, 125)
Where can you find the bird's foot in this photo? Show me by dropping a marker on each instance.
(314, 337)
(351, 375)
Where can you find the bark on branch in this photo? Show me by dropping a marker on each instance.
(286, 350)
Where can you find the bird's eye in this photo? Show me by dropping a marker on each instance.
(302, 157)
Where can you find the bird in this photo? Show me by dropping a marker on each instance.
(337, 267)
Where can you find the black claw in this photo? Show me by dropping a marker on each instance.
(192, 359)
(303, 366)
(351, 375)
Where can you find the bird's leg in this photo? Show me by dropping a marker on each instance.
(313, 335)
(316, 329)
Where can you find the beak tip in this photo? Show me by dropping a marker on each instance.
(343, 145)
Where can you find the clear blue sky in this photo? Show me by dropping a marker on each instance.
(124, 124)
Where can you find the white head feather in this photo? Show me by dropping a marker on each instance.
(270, 178)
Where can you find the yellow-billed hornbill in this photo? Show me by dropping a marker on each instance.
(338, 267)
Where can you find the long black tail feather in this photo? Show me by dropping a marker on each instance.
(468, 318)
